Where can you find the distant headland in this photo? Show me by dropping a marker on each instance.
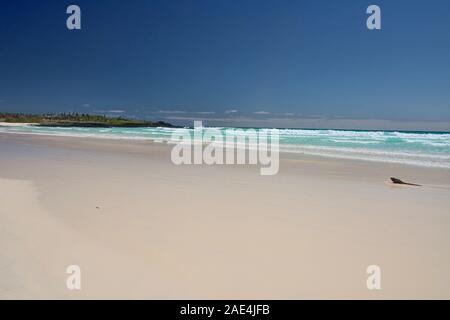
(78, 120)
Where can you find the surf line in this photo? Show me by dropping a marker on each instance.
(212, 146)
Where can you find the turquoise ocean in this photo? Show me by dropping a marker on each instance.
(431, 149)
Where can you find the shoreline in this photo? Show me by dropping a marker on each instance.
(16, 124)
(284, 152)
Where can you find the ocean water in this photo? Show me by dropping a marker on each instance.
(430, 149)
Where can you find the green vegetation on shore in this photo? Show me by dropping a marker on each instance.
(78, 120)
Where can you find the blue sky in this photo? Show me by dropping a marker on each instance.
(178, 59)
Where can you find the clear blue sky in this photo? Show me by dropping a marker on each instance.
(296, 58)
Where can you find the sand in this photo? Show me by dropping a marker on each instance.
(141, 227)
(15, 124)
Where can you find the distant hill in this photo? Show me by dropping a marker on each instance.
(79, 120)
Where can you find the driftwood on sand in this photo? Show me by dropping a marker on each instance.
(398, 181)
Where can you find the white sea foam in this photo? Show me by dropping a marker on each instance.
(424, 149)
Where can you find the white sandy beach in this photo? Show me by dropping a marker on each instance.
(141, 227)
(15, 124)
